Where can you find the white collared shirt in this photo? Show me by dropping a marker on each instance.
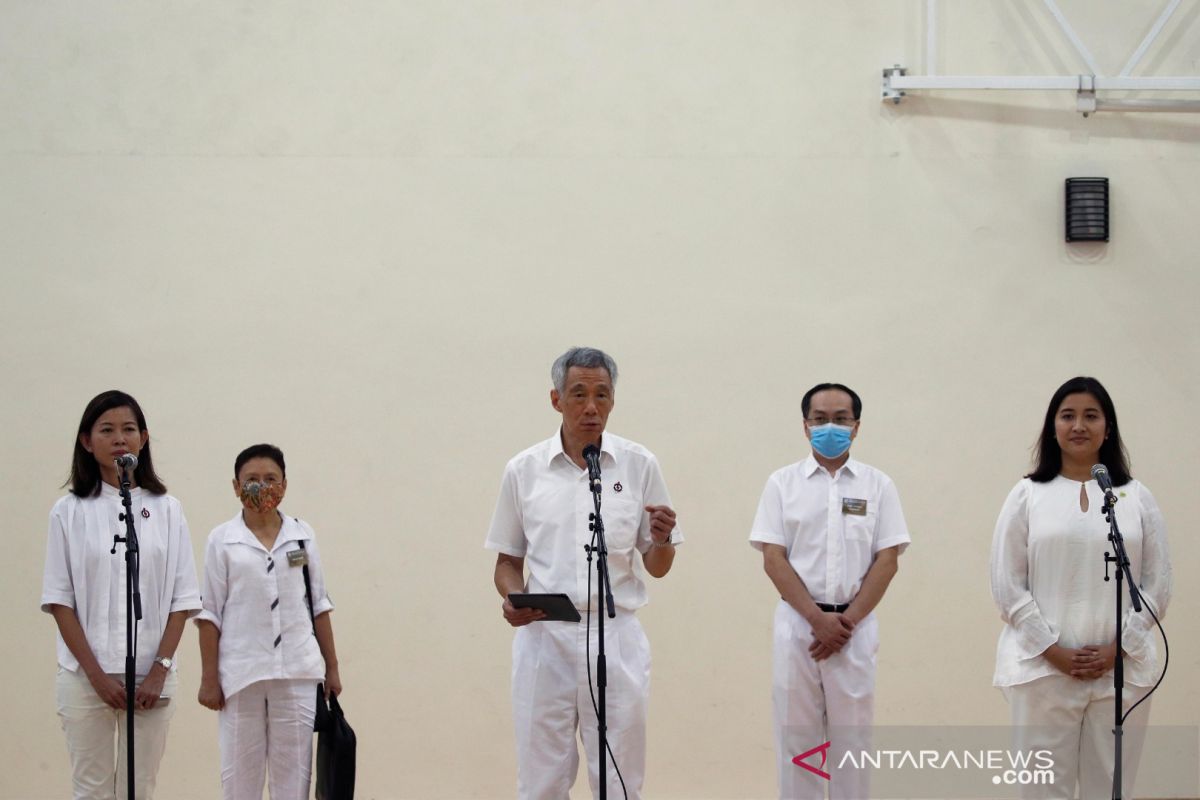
(1048, 576)
(83, 574)
(542, 516)
(256, 599)
(804, 509)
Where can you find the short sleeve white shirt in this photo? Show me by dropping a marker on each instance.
(831, 525)
(255, 597)
(81, 572)
(1048, 576)
(542, 513)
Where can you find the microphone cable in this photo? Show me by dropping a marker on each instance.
(587, 647)
(1166, 652)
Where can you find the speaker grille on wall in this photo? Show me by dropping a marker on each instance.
(1087, 209)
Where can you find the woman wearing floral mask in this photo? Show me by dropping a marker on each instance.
(262, 652)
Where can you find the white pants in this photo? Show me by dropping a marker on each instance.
(96, 738)
(267, 729)
(1074, 720)
(822, 701)
(551, 700)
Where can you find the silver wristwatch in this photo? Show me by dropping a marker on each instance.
(166, 662)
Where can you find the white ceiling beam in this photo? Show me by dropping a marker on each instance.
(1069, 32)
(931, 20)
(1034, 82)
(1150, 37)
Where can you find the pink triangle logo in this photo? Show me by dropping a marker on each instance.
(824, 751)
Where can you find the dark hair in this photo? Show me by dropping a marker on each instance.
(85, 472)
(259, 451)
(1047, 453)
(855, 400)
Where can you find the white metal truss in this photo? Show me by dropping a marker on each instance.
(897, 82)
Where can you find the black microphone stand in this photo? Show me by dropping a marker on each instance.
(600, 550)
(133, 611)
(1120, 558)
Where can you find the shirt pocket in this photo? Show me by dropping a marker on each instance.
(292, 591)
(622, 518)
(859, 528)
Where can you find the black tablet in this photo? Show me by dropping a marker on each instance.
(556, 606)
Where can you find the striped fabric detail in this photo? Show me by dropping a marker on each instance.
(270, 564)
(275, 605)
(278, 639)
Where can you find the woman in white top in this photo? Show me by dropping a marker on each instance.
(263, 655)
(1056, 653)
(83, 588)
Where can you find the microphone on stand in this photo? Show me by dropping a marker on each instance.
(1101, 476)
(126, 461)
(591, 454)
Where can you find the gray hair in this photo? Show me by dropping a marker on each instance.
(584, 357)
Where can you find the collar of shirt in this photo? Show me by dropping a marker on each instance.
(110, 492)
(811, 466)
(289, 531)
(555, 449)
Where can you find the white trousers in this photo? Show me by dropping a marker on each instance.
(96, 739)
(267, 730)
(822, 701)
(1074, 720)
(551, 701)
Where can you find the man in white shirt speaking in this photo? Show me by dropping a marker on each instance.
(541, 521)
(831, 531)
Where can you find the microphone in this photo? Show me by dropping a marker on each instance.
(591, 454)
(1101, 476)
(126, 461)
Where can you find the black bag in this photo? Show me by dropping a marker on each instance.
(336, 746)
(336, 742)
(323, 721)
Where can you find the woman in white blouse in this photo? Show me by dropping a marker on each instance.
(83, 588)
(1056, 653)
(263, 654)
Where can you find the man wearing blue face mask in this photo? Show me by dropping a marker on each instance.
(831, 532)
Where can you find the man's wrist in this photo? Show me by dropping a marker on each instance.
(812, 615)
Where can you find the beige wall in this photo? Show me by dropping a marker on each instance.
(363, 232)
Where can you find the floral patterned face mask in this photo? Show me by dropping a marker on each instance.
(261, 497)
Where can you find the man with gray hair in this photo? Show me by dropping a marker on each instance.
(541, 518)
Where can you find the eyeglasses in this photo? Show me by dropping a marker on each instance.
(839, 420)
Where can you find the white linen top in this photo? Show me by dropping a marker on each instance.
(1048, 577)
(81, 572)
(803, 509)
(542, 513)
(255, 597)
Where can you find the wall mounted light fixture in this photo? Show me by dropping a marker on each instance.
(1087, 209)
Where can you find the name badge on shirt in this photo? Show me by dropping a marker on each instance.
(297, 558)
(854, 506)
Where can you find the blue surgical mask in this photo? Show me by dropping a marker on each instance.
(831, 440)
